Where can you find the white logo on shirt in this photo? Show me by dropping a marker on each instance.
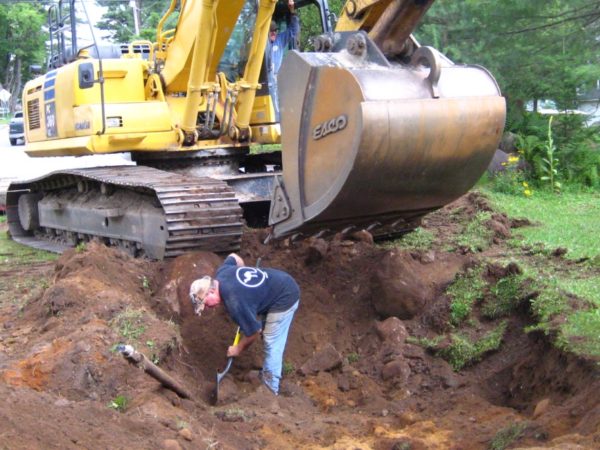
(250, 276)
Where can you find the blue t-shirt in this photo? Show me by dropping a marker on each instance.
(250, 291)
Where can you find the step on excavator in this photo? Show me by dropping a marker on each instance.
(373, 130)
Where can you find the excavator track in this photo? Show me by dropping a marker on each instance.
(145, 211)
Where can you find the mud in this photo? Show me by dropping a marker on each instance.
(355, 377)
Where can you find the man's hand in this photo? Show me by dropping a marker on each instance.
(234, 350)
(245, 342)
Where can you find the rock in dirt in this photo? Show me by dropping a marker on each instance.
(391, 329)
(186, 434)
(328, 358)
(541, 408)
(559, 251)
(171, 444)
(228, 390)
(398, 289)
(397, 369)
(317, 250)
(363, 236)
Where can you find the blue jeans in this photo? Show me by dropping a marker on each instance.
(275, 335)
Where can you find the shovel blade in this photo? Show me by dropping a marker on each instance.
(220, 376)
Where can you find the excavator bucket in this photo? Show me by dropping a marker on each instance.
(368, 144)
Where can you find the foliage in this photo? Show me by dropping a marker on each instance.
(353, 357)
(119, 403)
(550, 162)
(22, 44)
(536, 50)
(507, 436)
(462, 351)
(118, 19)
(311, 23)
(288, 368)
(463, 292)
(129, 324)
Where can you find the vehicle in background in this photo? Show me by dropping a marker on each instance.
(15, 132)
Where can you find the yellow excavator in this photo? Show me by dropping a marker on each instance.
(375, 130)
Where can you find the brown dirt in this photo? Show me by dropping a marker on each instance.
(354, 379)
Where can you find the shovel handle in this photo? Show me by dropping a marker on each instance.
(238, 335)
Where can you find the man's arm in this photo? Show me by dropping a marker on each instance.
(245, 342)
(238, 259)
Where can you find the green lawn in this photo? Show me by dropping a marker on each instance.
(571, 221)
(567, 220)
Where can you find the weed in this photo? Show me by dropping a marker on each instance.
(507, 436)
(129, 324)
(507, 295)
(550, 162)
(429, 344)
(181, 424)
(353, 357)
(211, 441)
(288, 368)
(145, 283)
(462, 351)
(463, 292)
(80, 248)
(234, 414)
(119, 403)
(476, 235)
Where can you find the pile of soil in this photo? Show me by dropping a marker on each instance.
(354, 374)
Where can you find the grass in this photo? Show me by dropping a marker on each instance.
(13, 253)
(463, 292)
(568, 220)
(507, 294)
(17, 286)
(507, 436)
(418, 239)
(476, 235)
(463, 351)
(288, 368)
(567, 306)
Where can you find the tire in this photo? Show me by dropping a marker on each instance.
(13, 141)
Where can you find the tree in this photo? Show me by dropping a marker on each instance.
(22, 44)
(119, 19)
(537, 49)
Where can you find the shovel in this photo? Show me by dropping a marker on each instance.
(221, 375)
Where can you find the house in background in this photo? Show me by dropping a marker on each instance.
(589, 103)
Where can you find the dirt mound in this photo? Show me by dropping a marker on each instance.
(360, 367)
